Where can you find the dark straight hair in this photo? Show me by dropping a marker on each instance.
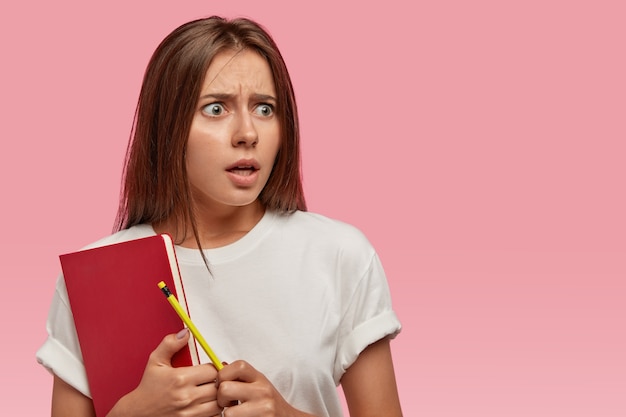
(154, 182)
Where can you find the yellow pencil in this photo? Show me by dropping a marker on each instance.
(192, 328)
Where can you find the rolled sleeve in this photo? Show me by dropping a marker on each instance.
(368, 318)
(60, 354)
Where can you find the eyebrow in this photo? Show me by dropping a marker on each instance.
(226, 97)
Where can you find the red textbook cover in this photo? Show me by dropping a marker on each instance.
(120, 313)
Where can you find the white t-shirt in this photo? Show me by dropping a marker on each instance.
(298, 297)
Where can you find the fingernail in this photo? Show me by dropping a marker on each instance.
(182, 333)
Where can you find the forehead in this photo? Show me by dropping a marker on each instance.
(235, 70)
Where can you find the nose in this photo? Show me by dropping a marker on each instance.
(245, 133)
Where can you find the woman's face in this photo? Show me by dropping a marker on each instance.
(235, 133)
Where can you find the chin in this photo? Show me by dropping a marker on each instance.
(243, 202)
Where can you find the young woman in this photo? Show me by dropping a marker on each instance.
(296, 303)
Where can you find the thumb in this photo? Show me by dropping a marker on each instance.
(170, 344)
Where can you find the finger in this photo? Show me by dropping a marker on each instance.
(170, 344)
(183, 383)
(202, 374)
(210, 408)
(204, 393)
(233, 392)
(190, 377)
(238, 371)
(204, 401)
(234, 383)
(241, 409)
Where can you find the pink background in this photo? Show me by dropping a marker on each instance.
(479, 144)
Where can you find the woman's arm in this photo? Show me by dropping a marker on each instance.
(369, 385)
(68, 401)
(163, 390)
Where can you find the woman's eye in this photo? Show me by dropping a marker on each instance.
(264, 110)
(213, 109)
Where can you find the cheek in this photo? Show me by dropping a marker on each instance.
(198, 158)
(271, 153)
(274, 142)
(191, 155)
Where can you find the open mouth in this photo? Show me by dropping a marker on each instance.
(242, 170)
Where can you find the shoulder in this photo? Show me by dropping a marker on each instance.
(327, 236)
(319, 226)
(134, 232)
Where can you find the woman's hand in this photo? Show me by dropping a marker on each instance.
(248, 393)
(168, 391)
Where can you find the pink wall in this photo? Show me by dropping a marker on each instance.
(480, 145)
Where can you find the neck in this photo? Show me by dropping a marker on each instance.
(215, 228)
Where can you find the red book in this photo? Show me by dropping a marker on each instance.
(120, 313)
